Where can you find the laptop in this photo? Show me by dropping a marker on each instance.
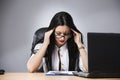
(103, 55)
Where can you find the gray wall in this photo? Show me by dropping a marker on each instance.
(19, 19)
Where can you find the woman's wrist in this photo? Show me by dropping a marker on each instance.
(80, 46)
(45, 43)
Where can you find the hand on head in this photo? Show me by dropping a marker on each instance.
(77, 36)
(47, 36)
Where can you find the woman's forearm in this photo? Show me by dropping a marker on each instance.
(36, 59)
(83, 54)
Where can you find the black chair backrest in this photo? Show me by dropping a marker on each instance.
(38, 37)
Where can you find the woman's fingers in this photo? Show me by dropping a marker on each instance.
(75, 32)
(77, 36)
(47, 36)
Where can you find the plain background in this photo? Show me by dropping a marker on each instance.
(19, 19)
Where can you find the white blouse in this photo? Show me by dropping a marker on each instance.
(64, 58)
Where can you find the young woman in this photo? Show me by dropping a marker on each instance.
(62, 47)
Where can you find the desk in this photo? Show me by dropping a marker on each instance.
(41, 76)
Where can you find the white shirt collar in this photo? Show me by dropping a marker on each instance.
(62, 47)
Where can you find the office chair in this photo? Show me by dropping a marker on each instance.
(38, 37)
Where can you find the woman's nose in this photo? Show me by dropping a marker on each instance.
(62, 37)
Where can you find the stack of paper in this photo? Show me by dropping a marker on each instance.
(63, 73)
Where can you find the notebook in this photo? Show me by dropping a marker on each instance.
(103, 55)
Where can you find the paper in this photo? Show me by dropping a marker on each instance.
(60, 73)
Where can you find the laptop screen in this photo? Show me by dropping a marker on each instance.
(104, 52)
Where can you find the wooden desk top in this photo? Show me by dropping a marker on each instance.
(41, 76)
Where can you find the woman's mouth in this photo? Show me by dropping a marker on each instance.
(62, 41)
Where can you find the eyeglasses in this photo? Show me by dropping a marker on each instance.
(60, 35)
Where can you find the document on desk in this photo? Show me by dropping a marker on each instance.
(59, 73)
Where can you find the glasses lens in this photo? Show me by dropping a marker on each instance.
(59, 35)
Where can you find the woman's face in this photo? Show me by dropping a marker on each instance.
(62, 34)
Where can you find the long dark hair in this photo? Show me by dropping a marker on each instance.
(64, 18)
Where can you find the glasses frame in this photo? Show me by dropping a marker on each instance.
(62, 35)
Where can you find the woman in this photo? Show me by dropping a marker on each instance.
(62, 47)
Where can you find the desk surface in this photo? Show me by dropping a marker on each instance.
(41, 76)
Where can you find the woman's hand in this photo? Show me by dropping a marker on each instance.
(47, 36)
(77, 37)
(83, 53)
